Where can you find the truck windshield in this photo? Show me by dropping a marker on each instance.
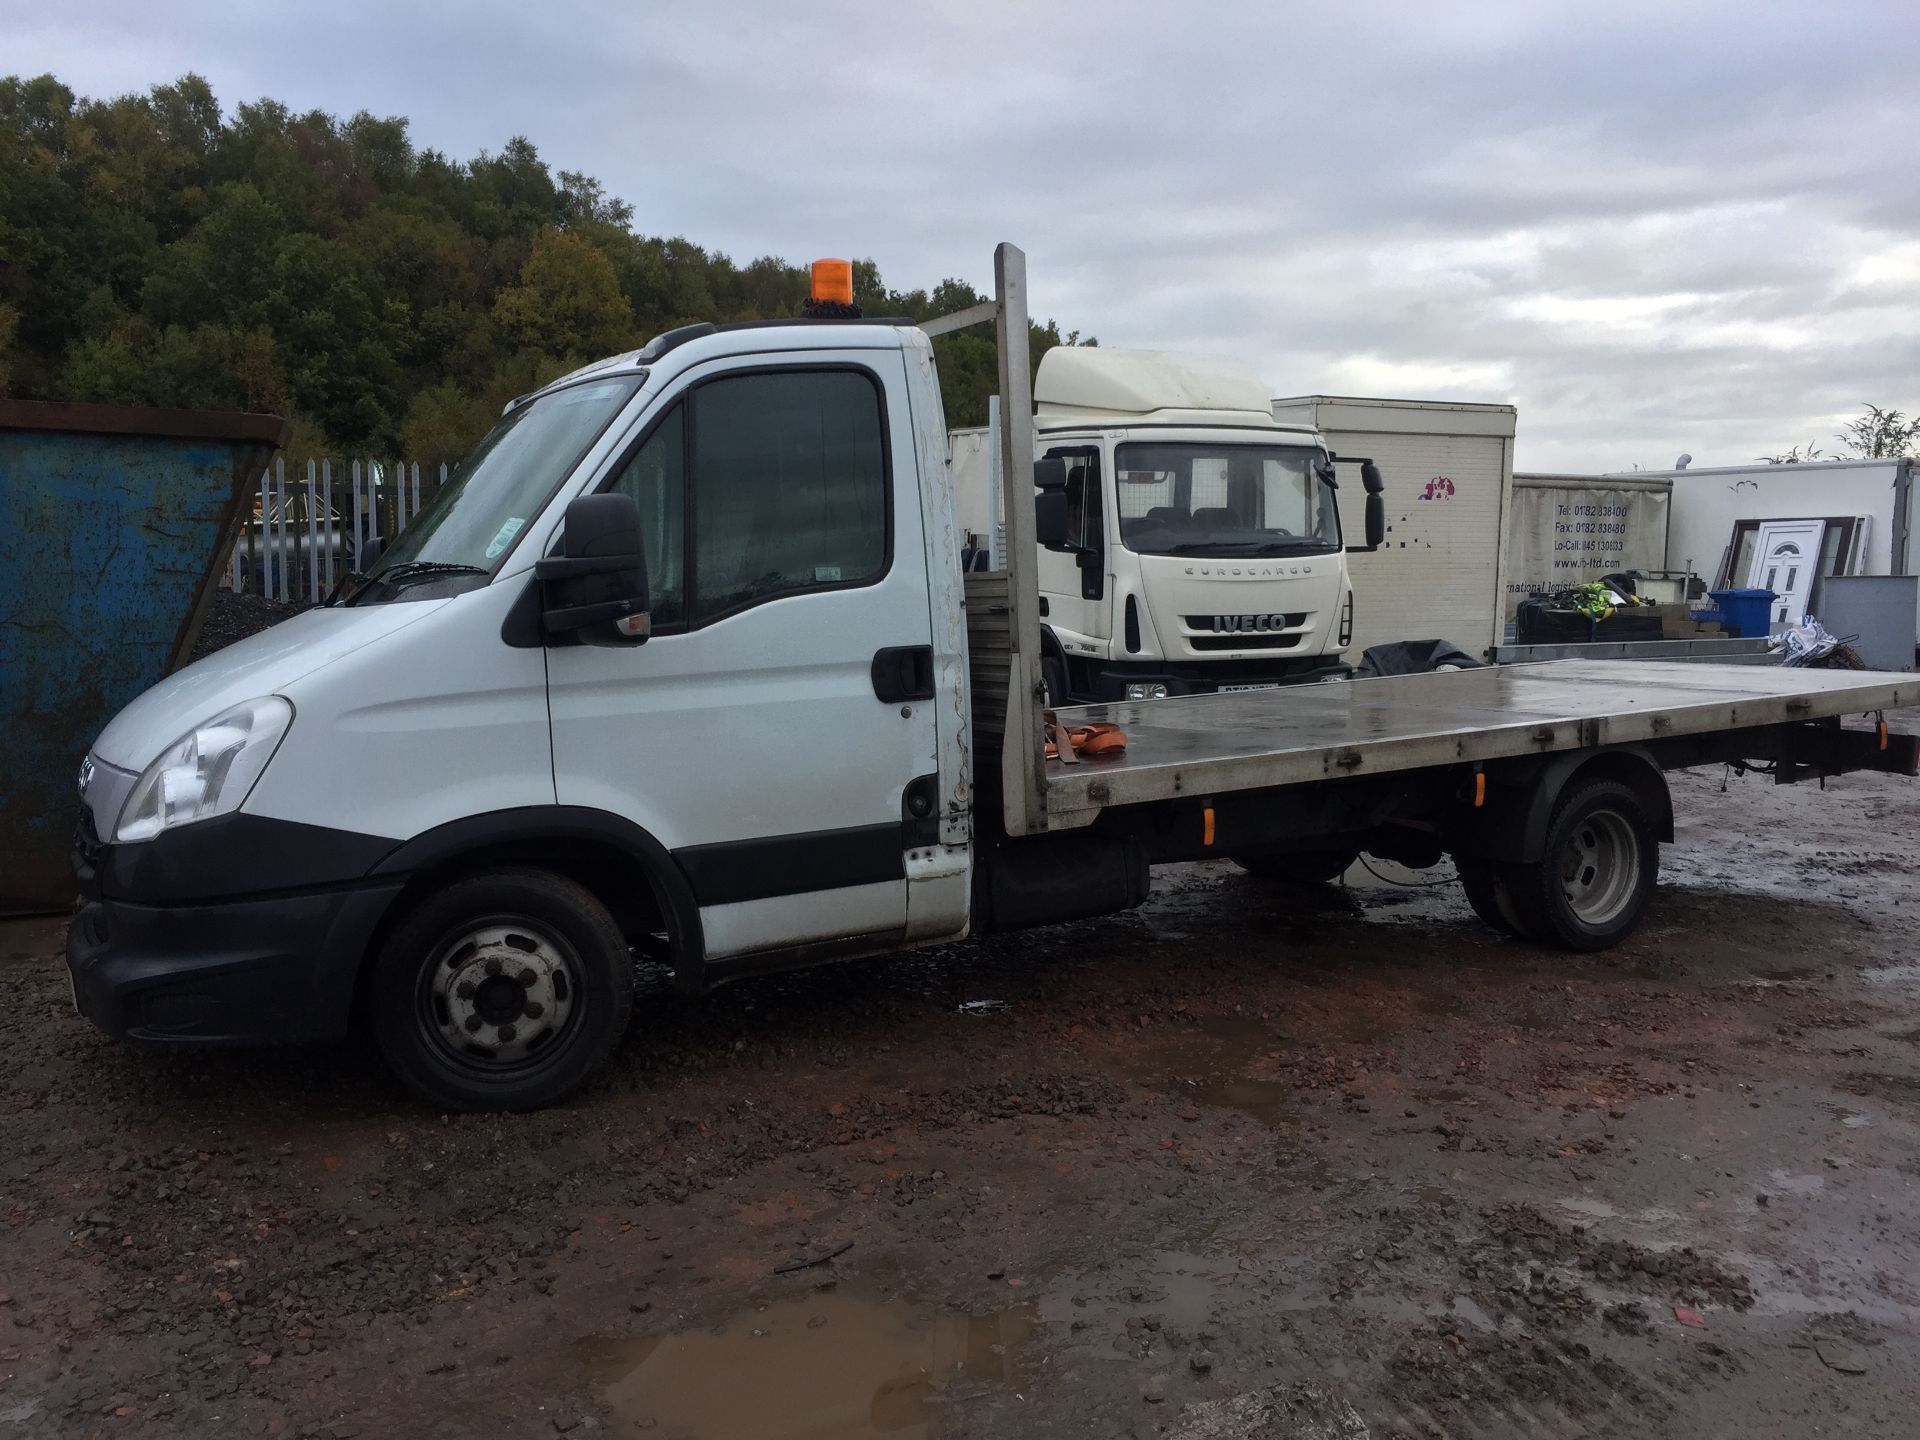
(1182, 498)
(463, 533)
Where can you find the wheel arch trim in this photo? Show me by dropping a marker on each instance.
(474, 835)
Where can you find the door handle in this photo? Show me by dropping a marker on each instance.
(903, 672)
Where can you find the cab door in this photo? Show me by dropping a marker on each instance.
(1073, 581)
(769, 731)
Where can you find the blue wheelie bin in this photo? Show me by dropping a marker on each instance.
(1745, 611)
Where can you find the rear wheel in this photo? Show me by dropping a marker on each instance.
(1596, 873)
(503, 991)
(1301, 866)
(1487, 892)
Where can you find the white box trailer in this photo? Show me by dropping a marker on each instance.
(1449, 476)
(1565, 530)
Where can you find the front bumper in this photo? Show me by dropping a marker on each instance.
(238, 972)
(233, 931)
(1110, 679)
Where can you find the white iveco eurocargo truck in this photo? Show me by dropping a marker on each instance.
(1203, 549)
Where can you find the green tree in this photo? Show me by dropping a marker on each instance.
(1881, 435)
(568, 301)
(155, 249)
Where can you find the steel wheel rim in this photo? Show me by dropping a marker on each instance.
(1600, 867)
(499, 994)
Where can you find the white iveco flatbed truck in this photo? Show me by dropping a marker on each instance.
(682, 663)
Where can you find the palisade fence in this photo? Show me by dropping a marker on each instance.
(311, 522)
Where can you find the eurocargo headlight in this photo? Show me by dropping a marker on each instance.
(207, 772)
(1146, 692)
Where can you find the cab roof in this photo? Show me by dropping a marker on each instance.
(1092, 379)
(806, 334)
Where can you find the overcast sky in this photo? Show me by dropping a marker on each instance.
(1654, 229)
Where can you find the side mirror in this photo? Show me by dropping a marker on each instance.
(1050, 473)
(1050, 518)
(1376, 519)
(1370, 477)
(599, 578)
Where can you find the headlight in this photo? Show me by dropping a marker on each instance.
(207, 772)
(1146, 692)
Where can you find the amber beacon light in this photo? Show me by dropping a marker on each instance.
(832, 282)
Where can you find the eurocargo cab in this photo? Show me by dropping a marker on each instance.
(1189, 542)
(1226, 561)
(678, 635)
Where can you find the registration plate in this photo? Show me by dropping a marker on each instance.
(1268, 685)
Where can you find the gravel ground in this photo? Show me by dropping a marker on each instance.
(233, 615)
(1253, 1160)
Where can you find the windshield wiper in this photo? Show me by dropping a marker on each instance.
(1229, 548)
(420, 569)
(1298, 542)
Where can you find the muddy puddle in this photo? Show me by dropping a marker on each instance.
(825, 1364)
(1209, 1066)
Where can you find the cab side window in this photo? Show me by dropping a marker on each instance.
(755, 486)
(789, 487)
(656, 477)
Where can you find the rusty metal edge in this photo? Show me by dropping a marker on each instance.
(248, 461)
(272, 431)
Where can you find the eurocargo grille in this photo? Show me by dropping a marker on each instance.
(1246, 624)
(1244, 642)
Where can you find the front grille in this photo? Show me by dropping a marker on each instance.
(1244, 642)
(86, 844)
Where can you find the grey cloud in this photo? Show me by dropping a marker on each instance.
(1651, 227)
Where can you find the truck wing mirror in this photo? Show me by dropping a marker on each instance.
(1376, 521)
(597, 585)
(1050, 473)
(1050, 517)
(1370, 477)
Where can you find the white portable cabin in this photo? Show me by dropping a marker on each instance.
(1449, 473)
(1856, 513)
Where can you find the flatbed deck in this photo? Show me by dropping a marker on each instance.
(1210, 744)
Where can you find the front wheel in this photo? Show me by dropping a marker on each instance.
(502, 991)
(1053, 674)
(1596, 872)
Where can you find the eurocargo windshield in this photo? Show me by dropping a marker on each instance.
(1191, 498)
(462, 534)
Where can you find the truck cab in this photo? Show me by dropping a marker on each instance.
(675, 660)
(1202, 547)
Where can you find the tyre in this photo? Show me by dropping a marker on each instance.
(1053, 674)
(1487, 892)
(502, 991)
(1305, 867)
(1596, 872)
